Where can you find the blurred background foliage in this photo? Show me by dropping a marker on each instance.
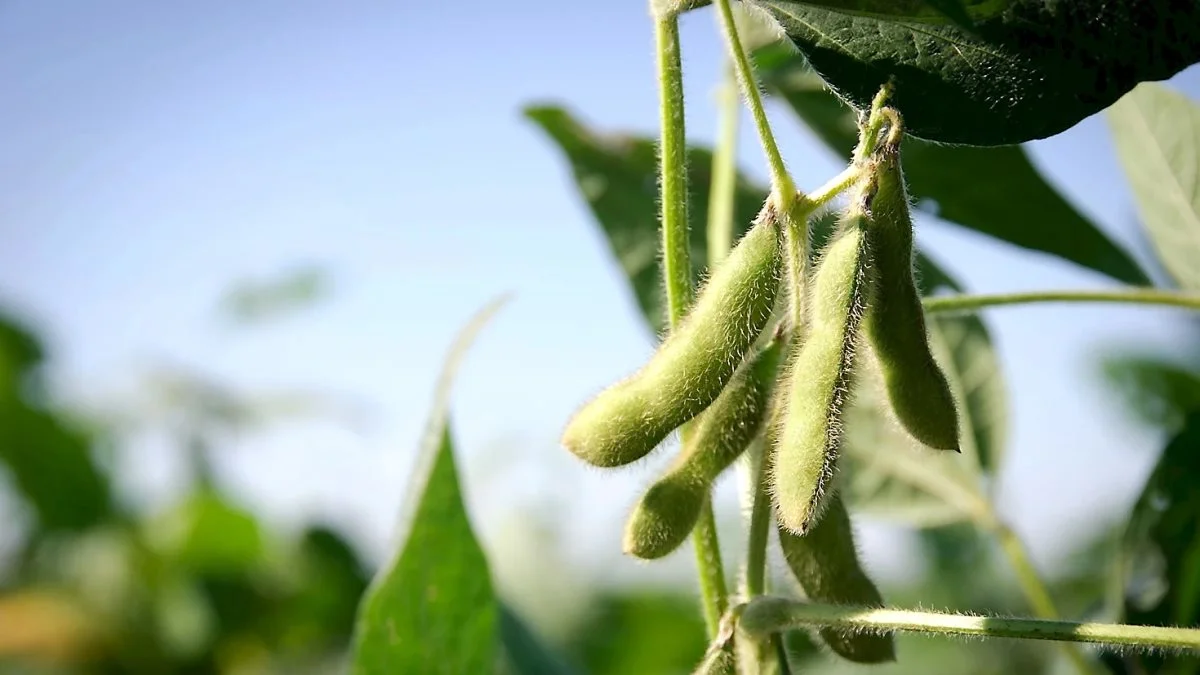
(92, 582)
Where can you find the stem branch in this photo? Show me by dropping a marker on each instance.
(1032, 585)
(781, 182)
(1138, 296)
(677, 276)
(768, 615)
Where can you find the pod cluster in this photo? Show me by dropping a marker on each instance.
(728, 368)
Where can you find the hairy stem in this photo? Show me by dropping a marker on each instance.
(767, 615)
(869, 135)
(1138, 296)
(672, 171)
(755, 580)
(711, 571)
(677, 278)
(781, 182)
(1032, 586)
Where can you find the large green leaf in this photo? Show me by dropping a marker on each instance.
(931, 11)
(617, 175)
(1030, 71)
(1158, 391)
(206, 533)
(1159, 563)
(51, 462)
(1157, 134)
(432, 608)
(994, 191)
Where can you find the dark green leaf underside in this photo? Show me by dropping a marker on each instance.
(994, 191)
(1029, 72)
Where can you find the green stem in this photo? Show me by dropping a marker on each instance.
(875, 119)
(781, 182)
(677, 278)
(797, 235)
(1032, 586)
(759, 528)
(768, 615)
(713, 592)
(724, 172)
(1139, 296)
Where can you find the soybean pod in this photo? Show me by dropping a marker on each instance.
(668, 511)
(693, 364)
(825, 563)
(895, 323)
(820, 375)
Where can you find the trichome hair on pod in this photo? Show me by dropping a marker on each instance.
(693, 364)
(826, 564)
(895, 324)
(819, 374)
(668, 510)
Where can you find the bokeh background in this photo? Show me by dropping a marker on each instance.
(244, 235)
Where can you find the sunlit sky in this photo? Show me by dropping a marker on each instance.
(152, 154)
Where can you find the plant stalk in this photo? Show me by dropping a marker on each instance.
(768, 615)
(1032, 586)
(1139, 296)
(782, 185)
(677, 279)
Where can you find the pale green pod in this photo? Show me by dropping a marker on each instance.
(691, 367)
(895, 322)
(825, 562)
(820, 376)
(667, 513)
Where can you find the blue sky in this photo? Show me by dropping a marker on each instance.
(151, 154)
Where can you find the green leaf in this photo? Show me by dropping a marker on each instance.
(1159, 565)
(994, 191)
(1159, 392)
(207, 534)
(52, 463)
(1157, 135)
(963, 12)
(1031, 71)
(432, 608)
(254, 301)
(888, 474)
(618, 177)
(644, 632)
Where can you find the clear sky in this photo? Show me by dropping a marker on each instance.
(151, 154)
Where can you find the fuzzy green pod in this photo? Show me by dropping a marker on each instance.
(825, 562)
(693, 364)
(895, 322)
(667, 513)
(820, 375)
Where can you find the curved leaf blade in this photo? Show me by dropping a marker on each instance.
(1029, 72)
(432, 608)
(1157, 135)
(971, 186)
